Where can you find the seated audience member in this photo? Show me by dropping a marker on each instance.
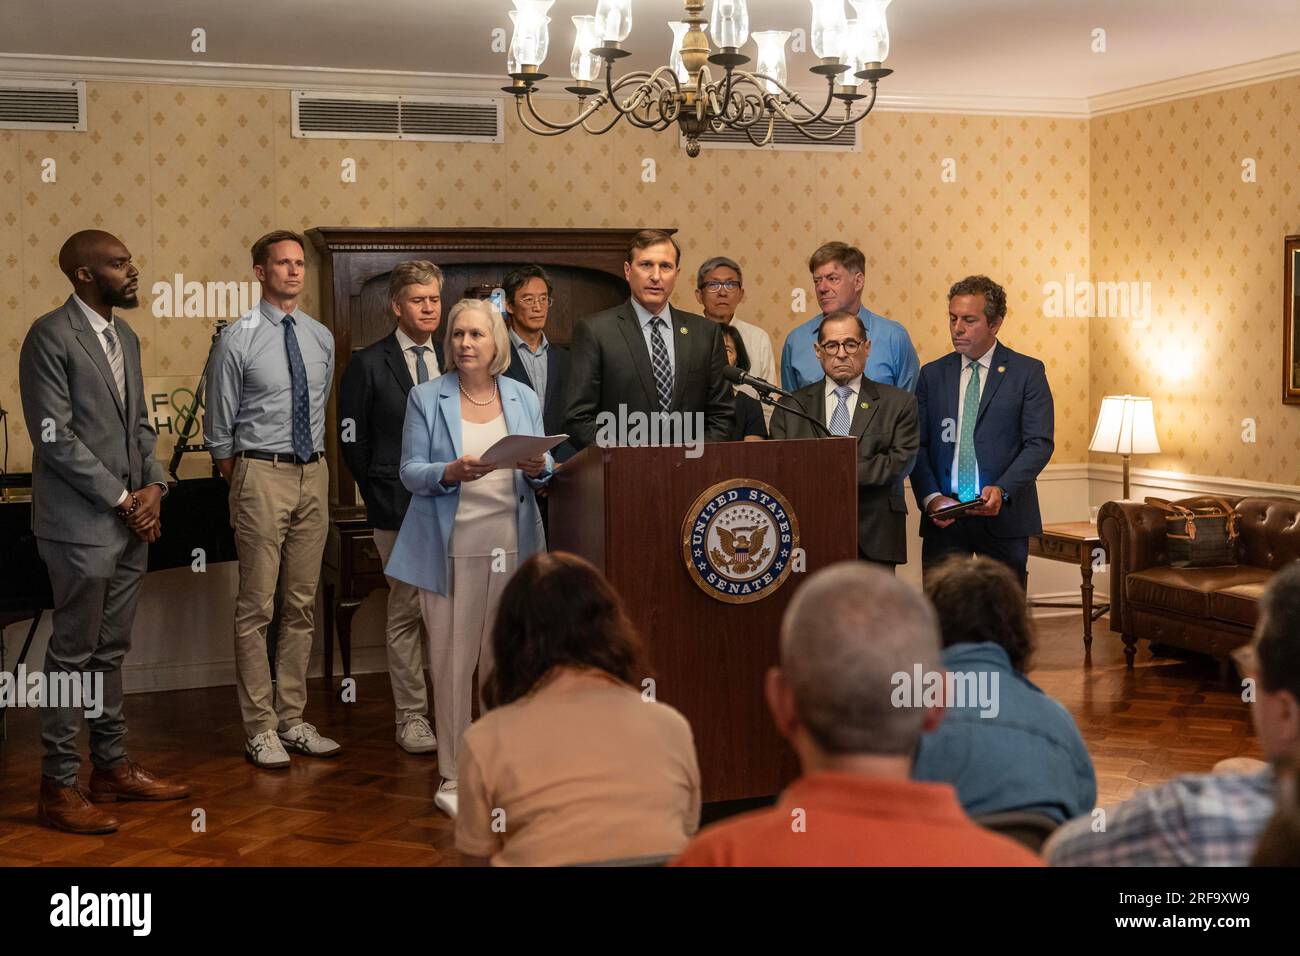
(850, 631)
(1209, 819)
(1018, 749)
(571, 764)
(1279, 845)
(749, 424)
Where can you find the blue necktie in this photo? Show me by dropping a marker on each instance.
(421, 370)
(663, 370)
(840, 418)
(967, 466)
(302, 443)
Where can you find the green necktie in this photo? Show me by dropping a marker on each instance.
(967, 466)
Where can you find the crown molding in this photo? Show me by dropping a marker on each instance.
(248, 75)
(328, 79)
(1196, 84)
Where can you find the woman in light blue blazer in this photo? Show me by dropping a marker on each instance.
(469, 525)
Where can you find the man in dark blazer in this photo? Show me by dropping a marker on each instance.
(645, 357)
(986, 432)
(96, 499)
(372, 409)
(881, 417)
(536, 361)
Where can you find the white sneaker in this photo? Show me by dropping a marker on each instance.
(416, 736)
(265, 751)
(447, 799)
(304, 739)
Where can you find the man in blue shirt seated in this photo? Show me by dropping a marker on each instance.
(1014, 749)
(839, 276)
(1209, 819)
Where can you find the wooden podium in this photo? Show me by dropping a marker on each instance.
(624, 509)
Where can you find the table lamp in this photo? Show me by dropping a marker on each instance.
(1126, 426)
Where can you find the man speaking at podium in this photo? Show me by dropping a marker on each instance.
(881, 417)
(644, 358)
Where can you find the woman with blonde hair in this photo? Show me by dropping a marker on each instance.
(469, 523)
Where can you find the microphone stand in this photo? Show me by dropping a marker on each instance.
(191, 414)
(767, 399)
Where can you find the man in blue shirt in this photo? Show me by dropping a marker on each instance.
(839, 275)
(265, 428)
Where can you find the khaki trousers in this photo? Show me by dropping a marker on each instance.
(404, 636)
(460, 639)
(280, 513)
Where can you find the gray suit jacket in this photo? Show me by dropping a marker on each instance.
(97, 448)
(885, 424)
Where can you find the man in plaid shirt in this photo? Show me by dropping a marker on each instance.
(1208, 819)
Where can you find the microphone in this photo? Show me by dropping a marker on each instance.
(737, 377)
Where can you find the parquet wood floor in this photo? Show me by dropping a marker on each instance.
(373, 805)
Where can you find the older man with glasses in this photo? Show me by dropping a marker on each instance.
(720, 289)
(883, 419)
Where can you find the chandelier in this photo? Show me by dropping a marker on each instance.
(686, 92)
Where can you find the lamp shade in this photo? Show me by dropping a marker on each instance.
(771, 58)
(729, 24)
(614, 19)
(1126, 425)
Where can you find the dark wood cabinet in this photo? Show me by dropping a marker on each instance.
(586, 266)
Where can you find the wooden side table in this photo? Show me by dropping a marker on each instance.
(1077, 542)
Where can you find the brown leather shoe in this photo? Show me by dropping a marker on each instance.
(130, 781)
(67, 808)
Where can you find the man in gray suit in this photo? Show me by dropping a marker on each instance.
(881, 417)
(96, 496)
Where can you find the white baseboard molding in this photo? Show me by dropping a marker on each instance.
(1188, 482)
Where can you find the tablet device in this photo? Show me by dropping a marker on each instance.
(952, 511)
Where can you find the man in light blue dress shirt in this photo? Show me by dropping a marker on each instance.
(839, 275)
(265, 427)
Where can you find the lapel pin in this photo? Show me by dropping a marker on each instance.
(1001, 369)
(682, 330)
(866, 404)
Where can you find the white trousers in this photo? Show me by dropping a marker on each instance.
(460, 639)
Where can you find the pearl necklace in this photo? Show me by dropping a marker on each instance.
(491, 398)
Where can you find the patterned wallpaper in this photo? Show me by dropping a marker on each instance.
(1170, 208)
(188, 176)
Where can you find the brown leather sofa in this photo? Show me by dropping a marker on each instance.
(1210, 610)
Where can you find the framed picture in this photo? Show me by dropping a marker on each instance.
(1291, 322)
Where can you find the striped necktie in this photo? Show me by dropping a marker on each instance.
(115, 361)
(840, 418)
(662, 368)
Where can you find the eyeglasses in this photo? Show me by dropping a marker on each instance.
(528, 301)
(731, 285)
(850, 346)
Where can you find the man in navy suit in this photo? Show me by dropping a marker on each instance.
(536, 361)
(372, 409)
(986, 432)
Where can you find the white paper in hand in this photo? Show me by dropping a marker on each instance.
(515, 448)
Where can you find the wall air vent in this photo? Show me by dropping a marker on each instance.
(786, 137)
(42, 104)
(447, 119)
